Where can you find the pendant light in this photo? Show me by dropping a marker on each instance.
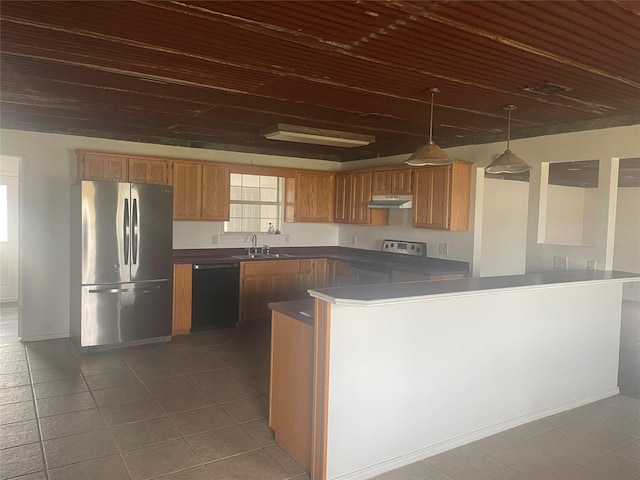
(430, 154)
(508, 162)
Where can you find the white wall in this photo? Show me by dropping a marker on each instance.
(49, 170)
(607, 145)
(626, 255)
(199, 235)
(503, 250)
(565, 215)
(460, 244)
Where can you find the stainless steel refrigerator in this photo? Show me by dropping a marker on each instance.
(121, 267)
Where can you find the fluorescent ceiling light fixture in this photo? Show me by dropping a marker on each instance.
(430, 154)
(508, 162)
(316, 136)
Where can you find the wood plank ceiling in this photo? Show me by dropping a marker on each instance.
(212, 74)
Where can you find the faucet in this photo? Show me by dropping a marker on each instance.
(254, 242)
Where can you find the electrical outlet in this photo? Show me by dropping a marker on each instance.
(214, 239)
(560, 263)
(591, 265)
(286, 239)
(354, 240)
(443, 248)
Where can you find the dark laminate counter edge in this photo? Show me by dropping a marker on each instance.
(371, 295)
(294, 309)
(424, 266)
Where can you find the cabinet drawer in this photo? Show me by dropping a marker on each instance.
(267, 267)
(305, 266)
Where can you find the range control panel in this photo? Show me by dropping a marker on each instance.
(418, 249)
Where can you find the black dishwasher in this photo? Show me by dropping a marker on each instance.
(215, 296)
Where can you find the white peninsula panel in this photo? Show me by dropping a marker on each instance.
(409, 378)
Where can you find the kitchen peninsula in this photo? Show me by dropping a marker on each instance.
(440, 364)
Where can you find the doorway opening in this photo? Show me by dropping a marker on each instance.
(9, 248)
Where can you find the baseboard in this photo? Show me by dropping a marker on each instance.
(432, 450)
(49, 336)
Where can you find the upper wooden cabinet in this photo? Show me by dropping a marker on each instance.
(392, 182)
(361, 194)
(343, 198)
(442, 196)
(215, 192)
(149, 170)
(309, 197)
(353, 194)
(187, 191)
(200, 191)
(107, 167)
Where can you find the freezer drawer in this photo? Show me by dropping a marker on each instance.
(125, 312)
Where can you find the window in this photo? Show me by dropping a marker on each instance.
(256, 202)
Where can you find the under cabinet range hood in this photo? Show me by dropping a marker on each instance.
(390, 201)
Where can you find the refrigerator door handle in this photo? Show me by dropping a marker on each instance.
(134, 250)
(116, 290)
(125, 228)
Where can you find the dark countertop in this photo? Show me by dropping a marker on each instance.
(302, 310)
(370, 295)
(419, 265)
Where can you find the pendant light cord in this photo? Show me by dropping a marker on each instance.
(431, 120)
(509, 130)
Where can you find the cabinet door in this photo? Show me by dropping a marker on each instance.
(181, 299)
(381, 182)
(255, 295)
(109, 168)
(401, 181)
(314, 197)
(305, 278)
(284, 288)
(187, 191)
(459, 211)
(341, 271)
(361, 196)
(215, 192)
(431, 197)
(142, 170)
(320, 273)
(342, 210)
(400, 276)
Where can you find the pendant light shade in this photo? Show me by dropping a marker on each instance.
(430, 154)
(508, 162)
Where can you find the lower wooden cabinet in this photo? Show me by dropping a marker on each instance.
(182, 284)
(401, 276)
(269, 281)
(338, 273)
(291, 397)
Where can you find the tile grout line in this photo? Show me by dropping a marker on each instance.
(35, 410)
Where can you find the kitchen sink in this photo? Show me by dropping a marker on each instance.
(261, 256)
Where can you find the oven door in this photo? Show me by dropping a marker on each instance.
(363, 273)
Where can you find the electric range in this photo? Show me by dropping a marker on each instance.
(377, 270)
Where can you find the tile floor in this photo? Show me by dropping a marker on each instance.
(8, 321)
(196, 409)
